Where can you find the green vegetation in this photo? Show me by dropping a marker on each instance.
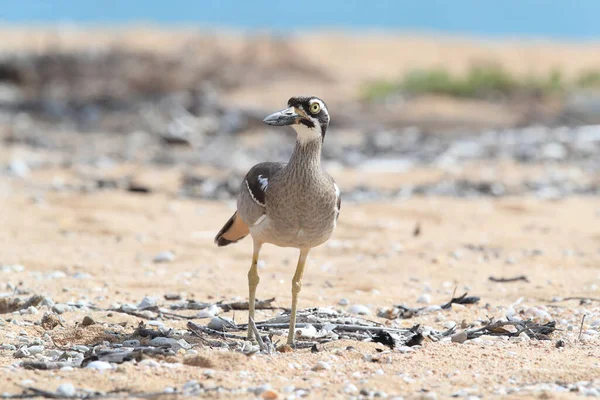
(481, 81)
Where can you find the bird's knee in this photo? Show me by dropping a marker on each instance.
(296, 287)
(253, 277)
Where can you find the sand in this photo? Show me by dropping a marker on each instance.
(373, 259)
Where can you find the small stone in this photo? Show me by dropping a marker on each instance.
(164, 257)
(285, 348)
(67, 390)
(221, 323)
(459, 337)
(350, 388)
(18, 168)
(321, 366)
(269, 395)
(559, 343)
(81, 348)
(190, 387)
(149, 363)
(9, 347)
(87, 321)
(147, 302)
(99, 365)
(343, 302)
(33, 350)
(131, 343)
(209, 312)
(129, 307)
(424, 299)
(31, 310)
(23, 352)
(54, 354)
(259, 390)
(359, 309)
(172, 343)
(60, 308)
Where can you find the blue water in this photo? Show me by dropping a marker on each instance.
(566, 19)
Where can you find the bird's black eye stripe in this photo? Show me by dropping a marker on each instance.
(307, 123)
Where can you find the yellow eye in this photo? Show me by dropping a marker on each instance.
(315, 108)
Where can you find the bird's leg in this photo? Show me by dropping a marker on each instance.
(296, 287)
(253, 280)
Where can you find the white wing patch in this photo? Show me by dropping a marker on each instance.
(264, 183)
(260, 219)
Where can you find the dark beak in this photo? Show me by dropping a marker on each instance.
(283, 117)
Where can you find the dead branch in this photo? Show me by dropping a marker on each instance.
(508, 280)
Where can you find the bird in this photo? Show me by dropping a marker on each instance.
(294, 204)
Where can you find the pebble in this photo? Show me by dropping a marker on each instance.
(269, 395)
(99, 365)
(66, 389)
(171, 342)
(30, 310)
(18, 168)
(60, 308)
(288, 389)
(343, 302)
(220, 323)
(87, 321)
(191, 387)
(307, 332)
(164, 257)
(350, 388)
(9, 347)
(131, 343)
(459, 337)
(129, 307)
(209, 312)
(147, 302)
(260, 389)
(149, 363)
(425, 298)
(23, 352)
(359, 309)
(321, 366)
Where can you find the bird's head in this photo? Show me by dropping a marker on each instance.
(307, 115)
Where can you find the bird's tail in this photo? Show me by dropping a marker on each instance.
(235, 229)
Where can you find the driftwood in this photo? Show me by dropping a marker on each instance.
(405, 312)
(530, 328)
(509, 280)
(48, 365)
(237, 305)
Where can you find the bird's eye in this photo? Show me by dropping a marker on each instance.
(315, 108)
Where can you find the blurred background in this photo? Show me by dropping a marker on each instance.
(466, 98)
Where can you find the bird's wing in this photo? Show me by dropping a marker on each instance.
(251, 202)
(338, 196)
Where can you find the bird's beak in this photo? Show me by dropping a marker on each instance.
(289, 116)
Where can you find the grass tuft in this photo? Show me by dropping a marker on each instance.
(484, 81)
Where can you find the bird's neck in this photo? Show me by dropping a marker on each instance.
(306, 158)
(307, 153)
